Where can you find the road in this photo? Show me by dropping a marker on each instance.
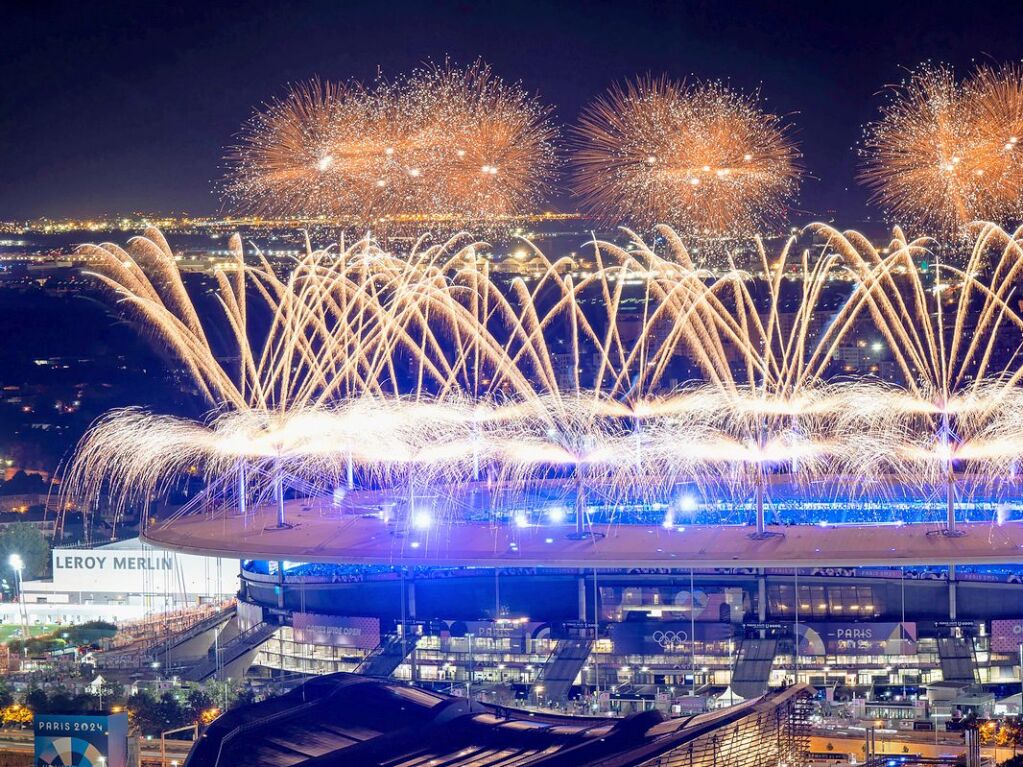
(898, 743)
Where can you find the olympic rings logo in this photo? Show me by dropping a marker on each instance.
(668, 639)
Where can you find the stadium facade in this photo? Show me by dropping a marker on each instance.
(628, 639)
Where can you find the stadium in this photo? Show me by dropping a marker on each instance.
(612, 482)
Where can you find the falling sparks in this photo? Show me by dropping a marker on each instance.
(702, 158)
(421, 369)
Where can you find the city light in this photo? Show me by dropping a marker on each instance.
(556, 514)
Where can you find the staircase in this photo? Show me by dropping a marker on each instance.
(958, 663)
(752, 668)
(190, 643)
(233, 658)
(386, 656)
(562, 668)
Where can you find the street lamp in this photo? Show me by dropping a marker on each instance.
(18, 564)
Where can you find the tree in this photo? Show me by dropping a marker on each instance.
(16, 714)
(198, 701)
(28, 542)
(151, 715)
(36, 699)
(23, 483)
(60, 702)
(1010, 733)
(246, 696)
(171, 712)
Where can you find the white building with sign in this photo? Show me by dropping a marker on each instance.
(125, 580)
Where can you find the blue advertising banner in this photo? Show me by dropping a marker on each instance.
(860, 639)
(81, 740)
(666, 637)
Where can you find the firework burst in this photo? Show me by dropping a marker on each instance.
(444, 142)
(944, 152)
(490, 145)
(702, 158)
(325, 149)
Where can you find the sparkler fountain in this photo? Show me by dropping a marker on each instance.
(425, 369)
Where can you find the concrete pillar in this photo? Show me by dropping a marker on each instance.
(582, 598)
(279, 495)
(761, 597)
(952, 595)
(580, 500)
(280, 585)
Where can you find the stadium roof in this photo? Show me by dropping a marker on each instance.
(321, 534)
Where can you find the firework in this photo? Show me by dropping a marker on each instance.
(944, 152)
(489, 144)
(338, 150)
(443, 142)
(418, 371)
(702, 158)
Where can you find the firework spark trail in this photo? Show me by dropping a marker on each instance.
(422, 370)
(700, 157)
(952, 416)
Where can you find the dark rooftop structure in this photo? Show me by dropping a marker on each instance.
(351, 720)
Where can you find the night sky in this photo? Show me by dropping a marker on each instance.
(115, 107)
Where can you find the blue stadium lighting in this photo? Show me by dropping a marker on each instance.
(422, 519)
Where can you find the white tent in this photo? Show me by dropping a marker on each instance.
(728, 698)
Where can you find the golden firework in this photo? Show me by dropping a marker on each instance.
(417, 370)
(700, 157)
(326, 149)
(944, 152)
(490, 144)
(442, 143)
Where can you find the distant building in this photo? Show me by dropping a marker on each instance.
(125, 580)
